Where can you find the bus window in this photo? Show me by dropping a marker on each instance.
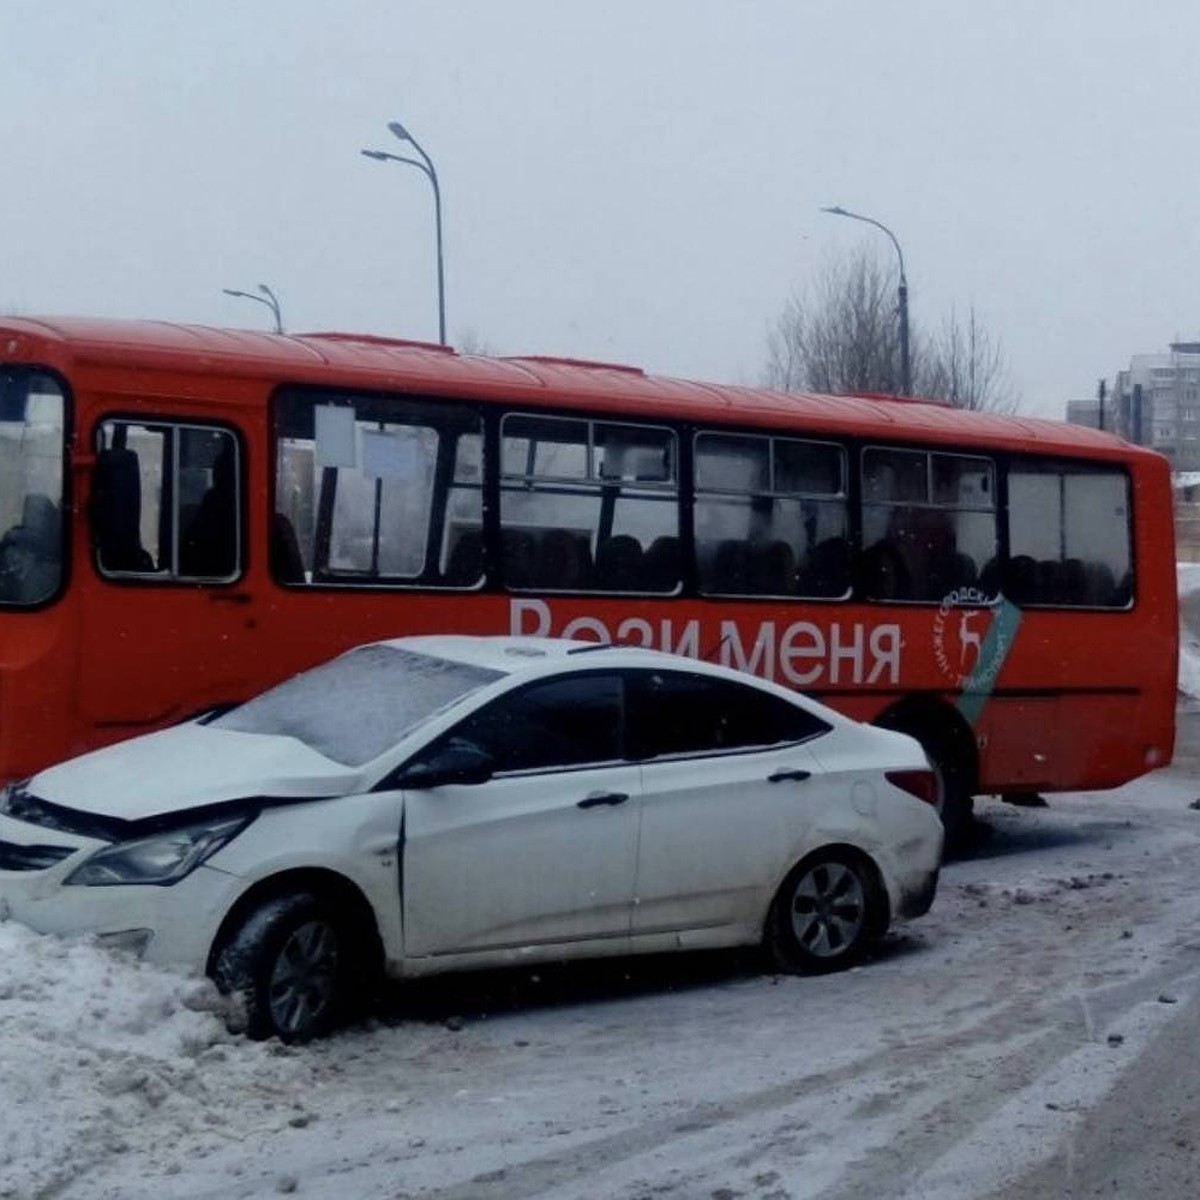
(381, 504)
(166, 502)
(929, 526)
(1069, 536)
(32, 416)
(588, 506)
(771, 517)
(378, 490)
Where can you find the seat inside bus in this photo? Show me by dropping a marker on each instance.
(208, 546)
(117, 511)
(31, 552)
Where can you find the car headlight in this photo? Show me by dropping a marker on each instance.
(162, 858)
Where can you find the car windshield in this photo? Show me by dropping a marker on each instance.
(31, 486)
(357, 706)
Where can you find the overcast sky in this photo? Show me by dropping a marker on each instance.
(632, 180)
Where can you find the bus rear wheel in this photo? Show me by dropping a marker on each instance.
(955, 802)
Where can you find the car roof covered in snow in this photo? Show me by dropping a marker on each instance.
(512, 654)
(539, 656)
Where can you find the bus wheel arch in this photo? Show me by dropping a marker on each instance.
(949, 743)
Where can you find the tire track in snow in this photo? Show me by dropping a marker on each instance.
(901, 1169)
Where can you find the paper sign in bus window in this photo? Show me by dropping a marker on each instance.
(334, 435)
(389, 455)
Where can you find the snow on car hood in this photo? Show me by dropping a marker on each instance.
(189, 766)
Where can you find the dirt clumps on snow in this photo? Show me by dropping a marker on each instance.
(1036, 891)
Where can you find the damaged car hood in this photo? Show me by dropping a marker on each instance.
(191, 766)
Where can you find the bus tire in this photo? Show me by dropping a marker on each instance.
(291, 963)
(829, 911)
(956, 803)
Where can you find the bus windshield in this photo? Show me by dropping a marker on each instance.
(32, 416)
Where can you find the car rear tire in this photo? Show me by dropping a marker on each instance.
(829, 911)
(291, 962)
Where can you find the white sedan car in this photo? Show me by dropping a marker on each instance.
(435, 803)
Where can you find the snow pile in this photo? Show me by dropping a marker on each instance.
(1189, 628)
(91, 1043)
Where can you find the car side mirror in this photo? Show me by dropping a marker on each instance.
(456, 762)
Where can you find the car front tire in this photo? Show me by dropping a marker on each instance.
(290, 962)
(829, 911)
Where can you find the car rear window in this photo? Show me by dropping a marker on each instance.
(362, 703)
(678, 713)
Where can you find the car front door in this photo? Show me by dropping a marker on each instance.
(544, 852)
(726, 780)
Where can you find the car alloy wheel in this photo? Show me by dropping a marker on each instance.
(303, 978)
(296, 966)
(828, 909)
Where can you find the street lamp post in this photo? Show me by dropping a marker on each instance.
(902, 307)
(268, 298)
(424, 163)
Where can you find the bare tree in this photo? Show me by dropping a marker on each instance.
(964, 365)
(843, 336)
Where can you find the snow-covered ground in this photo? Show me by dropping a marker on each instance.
(976, 1046)
(972, 1046)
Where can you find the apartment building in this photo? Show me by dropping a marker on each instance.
(1156, 402)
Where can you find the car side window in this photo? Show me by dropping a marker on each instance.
(560, 723)
(675, 712)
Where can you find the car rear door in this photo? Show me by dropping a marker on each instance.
(544, 853)
(727, 779)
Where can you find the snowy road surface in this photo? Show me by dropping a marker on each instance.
(987, 1052)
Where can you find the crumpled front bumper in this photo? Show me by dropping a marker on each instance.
(181, 920)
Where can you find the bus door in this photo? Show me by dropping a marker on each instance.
(169, 627)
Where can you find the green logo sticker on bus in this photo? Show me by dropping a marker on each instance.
(965, 654)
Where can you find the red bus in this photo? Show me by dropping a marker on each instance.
(190, 514)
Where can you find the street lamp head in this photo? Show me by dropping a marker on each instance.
(837, 210)
(232, 292)
(377, 155)
(399, 131)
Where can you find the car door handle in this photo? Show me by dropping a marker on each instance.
(598, 798)
(788, 775)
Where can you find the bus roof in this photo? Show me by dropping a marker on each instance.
(378, 363)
